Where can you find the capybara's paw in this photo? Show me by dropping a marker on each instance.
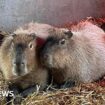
(28, 91)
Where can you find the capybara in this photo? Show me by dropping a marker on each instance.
(75, 55)
(19, 61)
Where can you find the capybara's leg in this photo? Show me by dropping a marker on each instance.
(17, 98)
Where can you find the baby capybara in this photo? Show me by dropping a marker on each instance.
(75, 55)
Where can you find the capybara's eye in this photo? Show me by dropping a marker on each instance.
(62, 41)
(30, 45)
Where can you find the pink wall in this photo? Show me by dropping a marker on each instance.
(17, 12)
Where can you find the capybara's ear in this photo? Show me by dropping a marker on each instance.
(69, 34)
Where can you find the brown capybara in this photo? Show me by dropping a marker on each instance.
(75, 55)
(19, 61)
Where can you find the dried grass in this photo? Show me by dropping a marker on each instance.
(84, 94)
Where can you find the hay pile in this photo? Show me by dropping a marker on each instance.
(84, 94)
(97, 21)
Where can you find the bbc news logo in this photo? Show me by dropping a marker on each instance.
(4, 93)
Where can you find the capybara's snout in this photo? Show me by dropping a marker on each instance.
(19, 68)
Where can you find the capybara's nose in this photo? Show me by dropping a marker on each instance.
(19, 63)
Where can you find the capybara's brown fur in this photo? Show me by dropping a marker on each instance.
(19, 63)
(77, 55)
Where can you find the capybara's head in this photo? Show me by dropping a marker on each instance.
(18, 54)
(55, 52)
